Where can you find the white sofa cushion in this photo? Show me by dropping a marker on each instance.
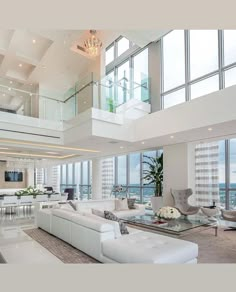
(43, 219)
(115, 224)
(145, 247)
(92, 223)
(65, 214)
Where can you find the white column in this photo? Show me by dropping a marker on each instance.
(154, 59)
(30, 176)
(175, 170)
(96, 179)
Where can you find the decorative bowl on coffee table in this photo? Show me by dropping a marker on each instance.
(211, 212)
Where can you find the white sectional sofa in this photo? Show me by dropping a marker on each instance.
(101, 238)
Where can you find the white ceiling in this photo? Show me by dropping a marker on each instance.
(41, 57)
(44, 57)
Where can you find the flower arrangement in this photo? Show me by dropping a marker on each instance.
(29, 191)
(168, 213)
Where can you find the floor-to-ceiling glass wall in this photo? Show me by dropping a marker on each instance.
(77, 176)
(129, 173)
(124, 170)
(227, 173)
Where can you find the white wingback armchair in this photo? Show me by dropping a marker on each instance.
(181, 201)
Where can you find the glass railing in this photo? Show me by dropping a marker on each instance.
(106, 94)
(113, 92)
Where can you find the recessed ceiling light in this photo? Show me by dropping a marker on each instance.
(143, 142)
(9, 88)
(121, 147)
(31, 94)
(3, 94)
(20, 65)
(10, 82)
(209, 129)
(171, 137)
(85, 102)
(33, 41)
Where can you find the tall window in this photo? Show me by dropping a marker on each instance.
(122, 45)
(203, 52)
(128, 172)
(121, 170)
(229, 47)
(63, 174)
(173, 58)
(70, 174)
(126, 73)
(196, 63)
(227, 173)
(123, 76)
(140, 76)
(77, 176)
(109, 57)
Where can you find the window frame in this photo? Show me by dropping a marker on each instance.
(187, 85)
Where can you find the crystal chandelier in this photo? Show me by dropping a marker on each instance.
(93, 45)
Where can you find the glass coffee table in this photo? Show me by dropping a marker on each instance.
(177, 227)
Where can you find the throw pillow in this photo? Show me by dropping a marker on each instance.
(121, 204)
(98, 212)
(110, 216)
(131, 203)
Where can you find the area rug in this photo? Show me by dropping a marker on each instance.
(212, 249)
(62, 250)
(215, 249)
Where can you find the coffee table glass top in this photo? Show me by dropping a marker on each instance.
(174, 226)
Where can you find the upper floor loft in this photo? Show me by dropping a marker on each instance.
(143, 99)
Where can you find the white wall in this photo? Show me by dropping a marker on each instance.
(175, 169)
(212, 109)
(179, 170)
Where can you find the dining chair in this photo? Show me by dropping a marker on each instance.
(9, 203)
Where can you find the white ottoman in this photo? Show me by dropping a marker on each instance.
(146, 247)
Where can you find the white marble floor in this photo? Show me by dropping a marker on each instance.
(17, 247)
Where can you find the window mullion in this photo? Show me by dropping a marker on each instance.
(162, 74)
(141, 178)
(187, 64)
(221, 59)
(227, 172)
(127, 170)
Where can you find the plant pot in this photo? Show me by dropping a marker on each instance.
(157, 203)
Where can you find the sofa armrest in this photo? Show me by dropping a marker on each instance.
(140, 207)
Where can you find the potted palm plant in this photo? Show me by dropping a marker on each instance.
(154, 175)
